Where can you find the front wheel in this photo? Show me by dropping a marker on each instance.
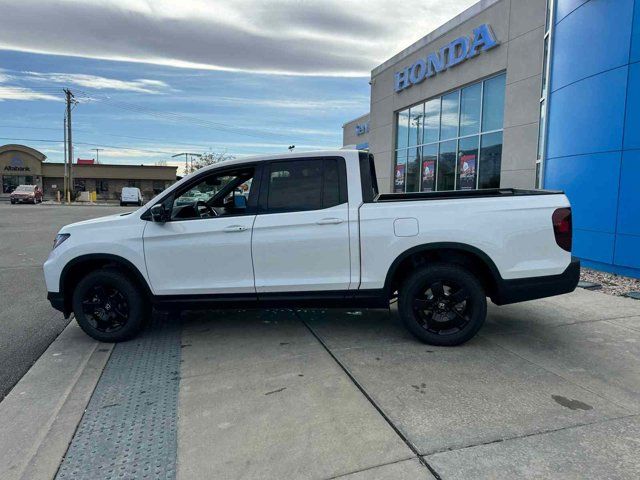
(443, 304)
(108, 306)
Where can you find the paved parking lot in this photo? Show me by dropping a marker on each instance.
(26, 236)
(549, 389)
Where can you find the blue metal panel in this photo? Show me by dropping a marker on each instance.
(565, 7)
(635, 36)
(592, 39)
(591, 183)
(596, 246)
(629, 197)
(588, 116)
(632, 121)
(627, 251)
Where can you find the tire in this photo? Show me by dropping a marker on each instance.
(427, 305)
(13, 202)
(109, 307)
(122, 204)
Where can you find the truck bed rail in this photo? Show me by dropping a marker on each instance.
(457, 194)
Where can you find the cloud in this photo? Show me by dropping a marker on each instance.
(95, 82)
(22, 93)
(329, 37)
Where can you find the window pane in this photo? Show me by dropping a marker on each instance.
(449, 120)
(447, 165)
(493, 104)
(331, 191)
(429, 160)
(295, 185)
(541, 130)
(467, 163)
(432, 121)
(413, 170)
(399, 171)
(416, 117)
(470, 110)
(403, 129)
(538, 175)
(490, 159)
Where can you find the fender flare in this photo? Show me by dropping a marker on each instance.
(108, 258)
(434, 246)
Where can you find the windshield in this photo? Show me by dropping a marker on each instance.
(24, 188)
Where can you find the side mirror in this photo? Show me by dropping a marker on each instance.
(158, 213)
(240, 202)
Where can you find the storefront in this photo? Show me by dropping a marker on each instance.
(21, 165)
(466, 107)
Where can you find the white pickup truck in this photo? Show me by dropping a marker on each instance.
(311, 229)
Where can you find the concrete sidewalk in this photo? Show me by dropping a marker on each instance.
(551, 388)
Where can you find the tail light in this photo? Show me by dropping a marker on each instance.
(562, 227)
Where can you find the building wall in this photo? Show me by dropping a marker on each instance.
(519, 27)
(593, 136)
(352, 136)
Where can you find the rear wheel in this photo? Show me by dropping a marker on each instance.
(108, 306)
(443, 304)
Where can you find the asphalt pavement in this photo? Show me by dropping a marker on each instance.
(28, 324)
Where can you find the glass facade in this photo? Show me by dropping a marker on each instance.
(544, 93)
(453, 142)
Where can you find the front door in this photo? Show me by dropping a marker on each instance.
(204, 247)
(301, 234)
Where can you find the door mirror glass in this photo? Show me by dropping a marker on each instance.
(158, 213)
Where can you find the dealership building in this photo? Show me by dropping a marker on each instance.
(526, 94)
(23, 165)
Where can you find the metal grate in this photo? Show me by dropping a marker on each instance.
(129, 429)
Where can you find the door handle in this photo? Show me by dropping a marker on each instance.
(329, 221)
(235, 228)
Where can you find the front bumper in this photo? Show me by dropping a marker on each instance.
(523, 289)
(57, 302)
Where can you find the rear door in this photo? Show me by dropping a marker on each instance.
(301, 233)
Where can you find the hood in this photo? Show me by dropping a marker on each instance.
(97, 222)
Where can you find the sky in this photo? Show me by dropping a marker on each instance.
(156, 78)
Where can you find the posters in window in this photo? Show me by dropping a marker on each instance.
(428, 175)
(467, 169)
(398, 181)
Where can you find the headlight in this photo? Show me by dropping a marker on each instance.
(61, 237)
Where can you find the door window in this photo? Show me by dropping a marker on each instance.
(300, 185)
(217, 195)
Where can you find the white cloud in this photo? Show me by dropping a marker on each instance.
(22, 93)
(330, 37)
(95, 82)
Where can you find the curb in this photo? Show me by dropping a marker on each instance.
(41, 413)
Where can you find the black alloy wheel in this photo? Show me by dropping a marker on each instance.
(443, 308)
(442, 304)
(105, 308)
(109, 306)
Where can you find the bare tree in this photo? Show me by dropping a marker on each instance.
(206, 159)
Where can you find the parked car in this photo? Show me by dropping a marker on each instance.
(313, 231)
(131, 196)
(26, 194)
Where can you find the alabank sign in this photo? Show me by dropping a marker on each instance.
(450, 55)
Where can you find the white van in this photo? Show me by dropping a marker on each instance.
(131, 195)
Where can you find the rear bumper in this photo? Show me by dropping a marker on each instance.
(57, 302)
(523, 289)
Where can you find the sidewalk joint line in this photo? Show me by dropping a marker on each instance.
(379, 409)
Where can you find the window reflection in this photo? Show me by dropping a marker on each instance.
(449, 118)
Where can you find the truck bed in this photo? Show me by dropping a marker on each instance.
(457, 194)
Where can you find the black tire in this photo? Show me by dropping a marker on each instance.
(122, 204)
(442, 304)
(109, 307)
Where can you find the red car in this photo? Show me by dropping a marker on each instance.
(26, 194)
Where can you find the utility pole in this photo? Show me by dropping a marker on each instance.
(186, 159)
(97, 150)
(70, 100)
(65, 188)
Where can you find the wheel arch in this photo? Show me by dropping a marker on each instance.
(468, 256)
(80, 266)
